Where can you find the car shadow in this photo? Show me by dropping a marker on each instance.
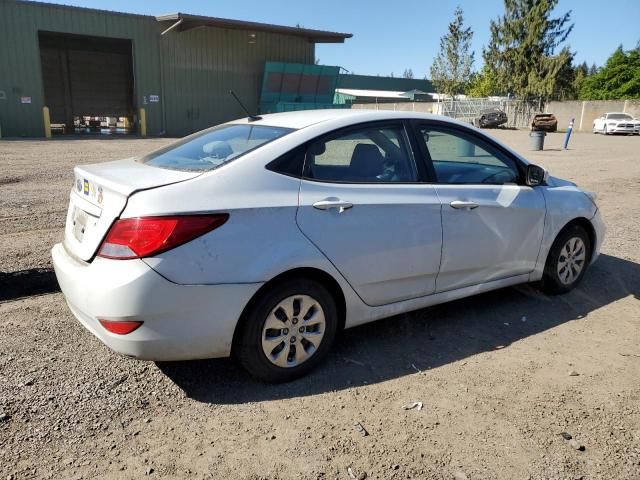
(421, 340)
(24, 283)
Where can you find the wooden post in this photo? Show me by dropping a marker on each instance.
(47, 122)
(143, 123)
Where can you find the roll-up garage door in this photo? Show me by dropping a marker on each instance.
(86, 76)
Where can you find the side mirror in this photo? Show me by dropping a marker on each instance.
(536, 175)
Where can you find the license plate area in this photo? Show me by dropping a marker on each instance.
(79, 219)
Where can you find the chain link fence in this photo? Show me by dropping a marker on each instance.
(519, 112)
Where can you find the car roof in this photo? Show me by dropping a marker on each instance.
(306, 118)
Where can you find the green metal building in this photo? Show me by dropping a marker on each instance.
(179, 68)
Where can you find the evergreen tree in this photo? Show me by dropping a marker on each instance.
(408, 73)
(618, 79)
(580, 73)
(522, 49)
(452, 67)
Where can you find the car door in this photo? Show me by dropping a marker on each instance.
(598, 123)
(492, 222)
(363, 205)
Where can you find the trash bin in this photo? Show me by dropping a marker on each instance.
(536, 140)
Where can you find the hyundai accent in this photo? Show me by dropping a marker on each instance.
(264, 237)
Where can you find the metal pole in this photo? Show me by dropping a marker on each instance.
(172, 27)
(47, 122)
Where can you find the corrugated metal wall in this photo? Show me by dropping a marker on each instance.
(20, 74)
(196, 69)
(200, 66)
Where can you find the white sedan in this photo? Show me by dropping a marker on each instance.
(616, 122)
(265, 236)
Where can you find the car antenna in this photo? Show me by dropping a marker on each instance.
(252, 118)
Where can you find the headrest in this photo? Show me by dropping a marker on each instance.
(366, 161)
(218, 149)
(317, 148)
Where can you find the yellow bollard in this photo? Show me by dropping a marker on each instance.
(143, 123)
(47, 122)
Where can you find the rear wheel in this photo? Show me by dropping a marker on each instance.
(567, 260)
(288, 331)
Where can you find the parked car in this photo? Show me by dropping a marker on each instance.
(264, 237)
(544, 122)
(616, 122)
(491, 118)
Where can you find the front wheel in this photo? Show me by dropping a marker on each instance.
(567, 261)
(288, 331)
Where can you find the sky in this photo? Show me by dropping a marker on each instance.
(389, 37)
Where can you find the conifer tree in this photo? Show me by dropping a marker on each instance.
(522, 49)
(452, 67)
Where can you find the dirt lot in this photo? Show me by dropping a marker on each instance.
(493, 371)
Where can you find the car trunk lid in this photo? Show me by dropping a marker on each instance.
(99, 195)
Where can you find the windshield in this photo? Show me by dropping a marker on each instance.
(619, 116)
(214, 147)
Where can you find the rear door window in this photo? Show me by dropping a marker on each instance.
(364, 155)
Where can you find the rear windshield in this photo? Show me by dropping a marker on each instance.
(214, 147)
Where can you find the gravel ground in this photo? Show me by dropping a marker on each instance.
(501, 375)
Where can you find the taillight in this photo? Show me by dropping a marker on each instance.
(120, 327)
(147, 236)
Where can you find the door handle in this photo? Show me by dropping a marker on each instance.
(459, 204)
(341, 205)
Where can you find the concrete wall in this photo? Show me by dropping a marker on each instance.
(585, 112)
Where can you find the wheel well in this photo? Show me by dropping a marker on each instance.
(587, 226)
(310, 273)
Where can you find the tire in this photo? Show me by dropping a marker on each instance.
(574, 241)
(604, 130)
(271, 344)
(594, 129)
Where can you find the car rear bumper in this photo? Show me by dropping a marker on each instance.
(545, 127)
(492, 123)
(181, 322)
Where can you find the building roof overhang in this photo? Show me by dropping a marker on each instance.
(189, 22)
